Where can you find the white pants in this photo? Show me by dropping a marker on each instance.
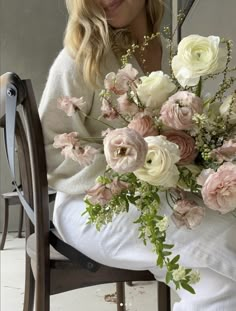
(211, 249)
(214, 292)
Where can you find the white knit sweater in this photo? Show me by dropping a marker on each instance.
(64, 79)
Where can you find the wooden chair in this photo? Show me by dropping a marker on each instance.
(11, 199)
(48, 271)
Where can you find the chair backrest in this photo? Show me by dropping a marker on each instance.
(24, 125)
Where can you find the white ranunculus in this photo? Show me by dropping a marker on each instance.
(198, 56)
(155, 89)
(225, 107)
(159, 168)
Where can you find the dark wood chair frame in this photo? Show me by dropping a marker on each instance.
(47, 271)
(11, 199)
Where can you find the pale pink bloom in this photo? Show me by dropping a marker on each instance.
(119, 83)
(117, 186)
(71, 104)
(179, 109)
(187, 213)
(125, 150)
(219, 189)
(202, 177)
(126, 106)
(144, 125)
(186, 144)
(110, 81)
(63, 140)
(99, 194)
(70, 145)
(227, 152)
(84, 156)
(108, 112)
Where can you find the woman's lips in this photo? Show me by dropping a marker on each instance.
(113, 5)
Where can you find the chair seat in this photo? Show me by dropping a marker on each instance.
(9, 195)
(31, 249)
(14, 194)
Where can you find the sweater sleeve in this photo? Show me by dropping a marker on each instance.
(66, 175)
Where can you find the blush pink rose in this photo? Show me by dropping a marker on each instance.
(71, 104)
(187, 213)
(144, 125)
(119, 83)
(227, 152)
(186, 144)
(179, 109)
(219, 188)
(125, 150)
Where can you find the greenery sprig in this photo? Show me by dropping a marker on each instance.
(152, 224)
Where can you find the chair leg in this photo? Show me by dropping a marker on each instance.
(29, 286)
(164, 300)
(5, 226)
(21, 221)
(120, 292)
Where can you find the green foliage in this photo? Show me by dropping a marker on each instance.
(152, 224)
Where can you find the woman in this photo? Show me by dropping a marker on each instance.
(97, 33)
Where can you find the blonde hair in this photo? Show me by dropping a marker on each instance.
(88, 36)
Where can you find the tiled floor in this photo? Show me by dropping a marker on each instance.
(140, 297)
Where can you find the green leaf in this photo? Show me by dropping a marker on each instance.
(166, 253)
(168, 246)
(187, 287)
(160, 261)
(168, 277)
(175, 259)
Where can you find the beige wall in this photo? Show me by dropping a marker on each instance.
(31, 34)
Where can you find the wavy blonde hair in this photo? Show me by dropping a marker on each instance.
(88, 37)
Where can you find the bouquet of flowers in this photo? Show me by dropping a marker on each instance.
(175, 139)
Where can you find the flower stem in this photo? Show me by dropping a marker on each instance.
(98, 120)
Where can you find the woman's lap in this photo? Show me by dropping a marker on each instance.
(211, 245)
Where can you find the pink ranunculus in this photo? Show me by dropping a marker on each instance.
(108, 112)
(178, 111)
(119, 83)
(219, 189)
(227, 152)
(126, 106)
(117, 186)
(125, 150)
(66, 139)
(186, 144)
(187, 213)
(144, 125)
(71, 104)
(99, 194)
